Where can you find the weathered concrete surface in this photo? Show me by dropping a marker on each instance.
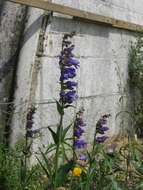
(102, 77)
(129, 10)
(26, 70)
(11, 26)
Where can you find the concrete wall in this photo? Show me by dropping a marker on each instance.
(11, 26)
(129, 10)
(102, 77)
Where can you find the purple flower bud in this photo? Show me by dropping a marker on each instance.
(69, 70)
(80, 122)
(83, 157)
(30, 115)
(73, 62)
(80, 144)
(68, 73)
(68, 97)
(101, 139)
(78, 132)
(70, 84)
(102, 130)
(29, 124)
(68, 50)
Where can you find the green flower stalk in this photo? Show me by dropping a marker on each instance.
(68, 66)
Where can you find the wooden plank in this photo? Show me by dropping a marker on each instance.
(80, 14)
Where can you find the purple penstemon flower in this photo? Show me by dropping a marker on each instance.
(30, 122)
(30, 114)
(101, 128)
(101, 139)
(67, 73)
(78, 132)
(80, 122)
(68, 97)
(70, 85)
(73, 62)
(80, 143)
(68, 66)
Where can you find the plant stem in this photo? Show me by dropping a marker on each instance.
(60, 129)
(74, 153)
(57, 151)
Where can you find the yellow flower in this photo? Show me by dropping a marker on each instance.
(77, 171)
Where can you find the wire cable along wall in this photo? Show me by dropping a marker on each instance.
(80, 14)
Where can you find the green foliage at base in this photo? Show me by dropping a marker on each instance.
(117, 170)
(11, 172)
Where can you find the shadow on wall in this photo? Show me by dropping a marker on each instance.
(9, 65)
(1, 7)
(32, 29)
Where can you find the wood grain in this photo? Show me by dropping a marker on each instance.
(80, 14)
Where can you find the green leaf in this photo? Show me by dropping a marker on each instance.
(23, 172)
(139, 186)
(65, 131)
(48, 164)
(69, 145)
(43, 167)
(89, 157)
(30, 176)
(60, 108)
(63, 172)
(54, 135)
(50, 148)
(114, 183)
(64, 152)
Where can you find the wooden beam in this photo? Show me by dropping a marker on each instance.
(80, 14)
